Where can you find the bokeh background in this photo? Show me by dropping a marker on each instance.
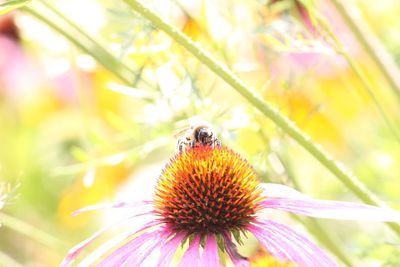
(91, 96)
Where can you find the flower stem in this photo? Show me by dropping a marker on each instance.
(351, 181)
(9, 6)
(340, 49)
(371, 44)
(53, 18)
(317, 230)
(361, 76)
(8, 261)
(312, 224)
(30, 231)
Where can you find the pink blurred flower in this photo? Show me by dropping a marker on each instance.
(24, 75)
(303, 13)
(208, 198)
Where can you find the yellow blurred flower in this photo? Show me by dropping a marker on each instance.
(95, 185)
(264, 259)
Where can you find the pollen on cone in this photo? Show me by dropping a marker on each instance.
(207, 190)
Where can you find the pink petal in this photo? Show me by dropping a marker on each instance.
(289, 246)
(330, 209)
(137, 260)
(210, 255)
(138, 255)
(138, 248)
(112, 206)
(105, 247)
(168, 250)
(192, 254)
(230, 247)
(74, 252)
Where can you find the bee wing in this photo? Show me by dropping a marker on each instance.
(181, 132)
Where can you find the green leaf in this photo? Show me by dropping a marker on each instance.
(11, 5)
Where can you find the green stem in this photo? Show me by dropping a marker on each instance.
(8, 261)
(111, 60)
(312, 224)
(9, 6)
(340, 48)
(317, 230)
(361, 77)
(30, 231)
(371, 44)
(352, 182)
(54, 19)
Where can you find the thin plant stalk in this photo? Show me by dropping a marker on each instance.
(361, 76)
(8, 260)
(312, 224)
(30, 231)
(348, 179)
(82, 40)
(321, 234)
(340, 49)
(371, 44)
(9, 6)
(75, 27)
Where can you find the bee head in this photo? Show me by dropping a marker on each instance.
(203, 135)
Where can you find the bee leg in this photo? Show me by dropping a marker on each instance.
(192, 144)
(216, 143)
(180, 146)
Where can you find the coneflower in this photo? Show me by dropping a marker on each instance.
(209, 197)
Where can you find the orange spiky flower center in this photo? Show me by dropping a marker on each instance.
(207, 190)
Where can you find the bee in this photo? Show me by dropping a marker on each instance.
(199, 135)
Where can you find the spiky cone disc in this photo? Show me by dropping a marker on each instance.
(207, 190)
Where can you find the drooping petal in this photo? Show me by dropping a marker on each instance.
(210, 253)
(192, 254)
(289, 246)
(230, 247)
(138, 248)
(137, 257)
(111, 243)
(74, 252)
(97, 253)
(167, 251)
(293, 201)
(116, 205)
